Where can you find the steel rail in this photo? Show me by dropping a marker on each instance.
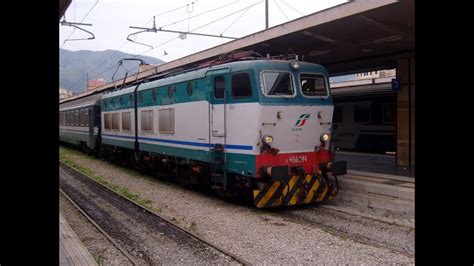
(171, 224)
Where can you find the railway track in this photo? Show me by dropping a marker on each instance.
(102, 231)
(347, 225)
(141, 234)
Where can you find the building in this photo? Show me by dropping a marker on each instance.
(376, 74)
(63, 93)
(92, 84)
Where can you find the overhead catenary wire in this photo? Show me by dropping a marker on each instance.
(226, 16)
(174, 38)
(81, 80)
(281, 10)
(166, 12)
(161, 44)
(207, 24)
(200, 14)
(288, 5)
(88, 12)
(126, 41)
(240, 16)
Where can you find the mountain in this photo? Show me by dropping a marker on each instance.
(74, 66)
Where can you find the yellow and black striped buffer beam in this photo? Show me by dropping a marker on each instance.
(293, 190)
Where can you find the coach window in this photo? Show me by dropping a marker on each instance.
(278, 84)
(76, 118)
(126, 122)
(241, 86)
(219, 86)
(147, 121)
(81, 117)
(338, 114)
(388, 113)
(166, 118)
(313, 85)
(362, 113)
(86, 118)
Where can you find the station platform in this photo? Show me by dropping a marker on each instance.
(380, 191)
(374, 181)
(374, 163)
(71, 249)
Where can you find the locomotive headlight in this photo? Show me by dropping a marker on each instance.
(325, 137)
(267, 139)
(294, 64)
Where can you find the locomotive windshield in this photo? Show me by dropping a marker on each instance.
(313, 85)
(278, 84)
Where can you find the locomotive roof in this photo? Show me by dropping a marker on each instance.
(201, 72)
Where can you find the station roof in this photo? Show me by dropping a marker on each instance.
(63, 5)
(355, 36)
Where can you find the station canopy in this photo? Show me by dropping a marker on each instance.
(356, 36)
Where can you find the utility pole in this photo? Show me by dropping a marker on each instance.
(266, 14)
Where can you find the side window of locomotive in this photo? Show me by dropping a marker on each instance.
(166, 118)
(362, 113)
(241, 86)
(313, 85)
(107, 121)
(115, 121)
(147, 121)
(189, 88)
(337, 114)
(219, 86)
(278, 84)
(126, 121)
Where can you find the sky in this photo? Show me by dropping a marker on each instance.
(111, 21)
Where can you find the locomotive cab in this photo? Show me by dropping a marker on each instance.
(294, 156)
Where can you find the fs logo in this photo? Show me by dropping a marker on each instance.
(302, 120)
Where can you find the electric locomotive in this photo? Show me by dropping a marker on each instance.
(258, 129)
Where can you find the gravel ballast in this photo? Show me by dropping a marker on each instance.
(259, 236)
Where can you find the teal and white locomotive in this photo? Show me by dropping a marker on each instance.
(258, 129)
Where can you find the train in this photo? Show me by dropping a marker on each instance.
(254, 129)
(364, 119)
